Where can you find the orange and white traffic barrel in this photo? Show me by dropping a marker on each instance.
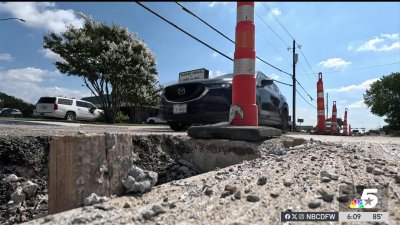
(244, 111)
(321, 124)
(334, 124)
(345, 133)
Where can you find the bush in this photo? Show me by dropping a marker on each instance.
(121, 118)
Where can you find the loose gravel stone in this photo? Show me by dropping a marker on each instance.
(287, 182)
(377, 172)
(326, 196)
(253, 198)
(10, 178)
(274, 194)
(158, 209)
(325, 173)
(325, 179)
(29, 188)
(237, 195)
(314, 204)
(397, 179)
(127, 205)
(230, 188)
(94, 199)
(18, 196)
(262, 180)
(370, 169)
(209, 191)
(225, 194)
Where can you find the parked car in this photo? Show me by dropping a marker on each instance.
(208, 101)
(155, 119)
(67, 108)
(7, 112)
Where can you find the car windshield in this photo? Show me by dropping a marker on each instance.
(225, 76)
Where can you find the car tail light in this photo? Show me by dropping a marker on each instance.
(55, 106)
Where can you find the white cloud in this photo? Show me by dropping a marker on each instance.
(334, 63)
(279, 58)
(41, 15)
(6, 57)
(363, 86)
(384, 43)
(31, 83)
(212, 74)
(273, 76)
(276, 11)
(51, 55)
(215, 55)
(357, 105)
(212, 4)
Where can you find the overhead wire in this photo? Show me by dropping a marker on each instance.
(204, 43)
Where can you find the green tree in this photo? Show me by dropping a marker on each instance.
(383, 98)
(110, 60)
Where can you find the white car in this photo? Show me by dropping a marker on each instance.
(156, 119)
(67, 108)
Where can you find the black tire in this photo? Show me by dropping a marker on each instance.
(151, 122)
(70, 116)
(177, 126)
(284, 118)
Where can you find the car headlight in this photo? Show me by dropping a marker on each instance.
(220, 85)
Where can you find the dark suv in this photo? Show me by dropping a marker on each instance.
(208, 101)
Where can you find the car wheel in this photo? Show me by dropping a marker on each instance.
(284, 126)
(151, 122)
(70, 116)
(176, 126)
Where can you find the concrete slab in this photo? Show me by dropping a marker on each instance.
(225, 131)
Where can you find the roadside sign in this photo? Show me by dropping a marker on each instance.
(193, 75)
(300, 120)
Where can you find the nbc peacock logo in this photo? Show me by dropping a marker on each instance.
(368, 200)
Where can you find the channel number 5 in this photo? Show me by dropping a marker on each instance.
(369, 198)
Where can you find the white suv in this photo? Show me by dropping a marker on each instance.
(68, 108)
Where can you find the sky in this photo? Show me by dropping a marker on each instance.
(352, 43)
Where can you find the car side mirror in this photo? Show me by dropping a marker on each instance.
(266, 82)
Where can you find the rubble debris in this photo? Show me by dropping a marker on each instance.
(139, 180)
(94, 199)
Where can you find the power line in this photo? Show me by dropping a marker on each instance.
(191, 13)
(359, 68)
(187, 33)
(269, 43)
(304, 90)
(306, 100)
(288, 33)
(219, 32)
(307, 62)
(262, 20)
(276, 19)
(202, 42)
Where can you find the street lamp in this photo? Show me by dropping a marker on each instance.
(14, 18)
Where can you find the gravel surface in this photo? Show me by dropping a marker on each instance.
(256, 191)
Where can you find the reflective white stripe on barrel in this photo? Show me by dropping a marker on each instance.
(245, 13)
(244, 66)
(321, 112)
(320, 94)
(334, 113)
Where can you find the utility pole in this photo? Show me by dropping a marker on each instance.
(327, 105)
(294, 84)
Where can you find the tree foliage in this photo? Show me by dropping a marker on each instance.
(383, 98)
(111, 61)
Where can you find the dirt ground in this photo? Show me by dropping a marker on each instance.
(256, 191)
